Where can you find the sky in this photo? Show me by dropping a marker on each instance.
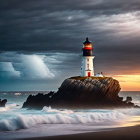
(41, 41)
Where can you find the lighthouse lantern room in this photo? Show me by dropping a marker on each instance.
(87, 68)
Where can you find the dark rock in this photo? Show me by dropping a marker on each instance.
(38, 101)
(81, 92)
(128, 99)
(3, 102)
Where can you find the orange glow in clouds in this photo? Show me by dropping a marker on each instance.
(128, 82)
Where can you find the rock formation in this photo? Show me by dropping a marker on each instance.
(3, 102)
(81, 92)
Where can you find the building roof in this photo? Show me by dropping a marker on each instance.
(87, 41)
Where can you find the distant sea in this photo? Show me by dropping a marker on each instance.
(16, 122)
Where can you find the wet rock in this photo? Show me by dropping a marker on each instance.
(3, 102)
(128, 99)
(82, 92)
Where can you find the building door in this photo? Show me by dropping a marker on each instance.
(88, 74)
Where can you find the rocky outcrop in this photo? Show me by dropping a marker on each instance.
(3, 102)
(81, 92)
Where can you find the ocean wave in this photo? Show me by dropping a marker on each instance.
(17, 93)
(49, 109)
(3, 109)
(54, 116)
(9, 107)
(4, 93)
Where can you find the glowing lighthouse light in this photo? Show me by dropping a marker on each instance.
(87, 68)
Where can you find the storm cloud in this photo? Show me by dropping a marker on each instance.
(51, 33)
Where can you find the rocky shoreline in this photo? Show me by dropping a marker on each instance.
(82, 92)
(3, 102)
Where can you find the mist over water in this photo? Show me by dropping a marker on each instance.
(20, 123)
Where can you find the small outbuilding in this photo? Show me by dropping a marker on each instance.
(100, 74)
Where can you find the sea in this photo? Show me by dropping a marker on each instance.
(17, 122)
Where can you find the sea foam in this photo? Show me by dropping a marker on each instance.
(22, 120)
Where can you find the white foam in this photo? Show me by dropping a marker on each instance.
(17, 93)
(49, 109)
(3, 109)
(9, 107)
(50, 122)
(54, 116)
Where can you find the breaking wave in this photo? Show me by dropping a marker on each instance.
(9, 107)
(53, 116)
(17, 93)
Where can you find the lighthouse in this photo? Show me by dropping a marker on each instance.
(87, 68)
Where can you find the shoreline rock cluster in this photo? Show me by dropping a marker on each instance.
(3, 102)
(82, 92)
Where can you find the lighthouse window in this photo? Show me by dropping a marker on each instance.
(88, 66)
(87, 59)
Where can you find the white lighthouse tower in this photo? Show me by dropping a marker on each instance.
(87, 68)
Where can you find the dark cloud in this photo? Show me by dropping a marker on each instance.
(53, 25)
(54, 31)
